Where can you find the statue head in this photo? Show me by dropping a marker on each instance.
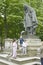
(26, 8)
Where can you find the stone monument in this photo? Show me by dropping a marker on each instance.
(30, 24)
(30, 20)
(8, 45)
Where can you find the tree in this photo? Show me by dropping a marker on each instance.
(13, 13)
(13, 17)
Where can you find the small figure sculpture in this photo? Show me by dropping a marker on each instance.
(30, 20)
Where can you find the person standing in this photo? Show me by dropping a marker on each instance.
(41, 54)
(24, 47)
(14, 49)
(21, 41)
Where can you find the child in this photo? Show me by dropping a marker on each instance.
(24, 47)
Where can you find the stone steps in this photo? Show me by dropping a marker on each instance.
(25, 60)
(18, 61)
(4, 56)
(30, 58)
(22, 55)
(30, 52)
(33, 63)
(4, 62)
(30, 36)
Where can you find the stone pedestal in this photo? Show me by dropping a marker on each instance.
(8, 45)
(34, 43)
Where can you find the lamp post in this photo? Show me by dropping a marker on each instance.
(1, 31)
(4, 8)
(3, 15)
(5, 22)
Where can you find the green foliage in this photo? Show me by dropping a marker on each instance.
(39, 32)
(38, 6)
(13, 17)
(11, 24)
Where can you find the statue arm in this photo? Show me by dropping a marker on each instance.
(34, 18)
(29, 14)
